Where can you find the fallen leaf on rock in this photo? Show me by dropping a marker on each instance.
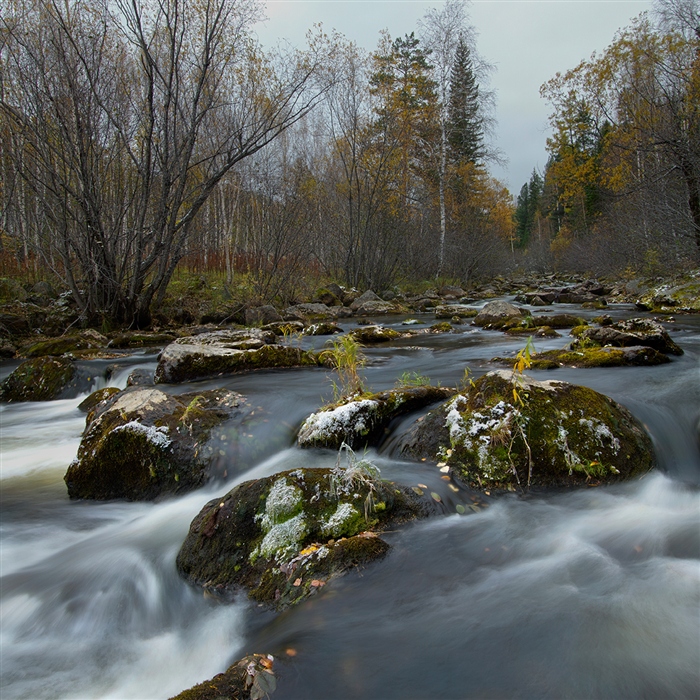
(297, 582)
(436, 496)
(317, 583)
(415, 489)
(444, 469)
(290, 652)
(423, 486)
(453, 487)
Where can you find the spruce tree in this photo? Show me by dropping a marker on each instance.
(465, 124)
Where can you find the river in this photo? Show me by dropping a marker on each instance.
(587, 594)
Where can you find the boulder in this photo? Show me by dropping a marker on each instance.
(377, 308)
(87, 340)
(139, 339)
(261, 315)
(327, 297)
(496, 314)
(633, 332)
(308, 312)
(369, 295)
(362, 422)
(283, 537)
(142, 443)
(226, 352)
(281, 328)
(97, 398)
(371, 335)
(451, 291)
(323, 328)
(635, 356)
(140, 377)
(41, 379)
(679, 297)
(510, 432)
(452, 310)
(250, 677)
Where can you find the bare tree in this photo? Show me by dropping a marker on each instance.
(124, 117)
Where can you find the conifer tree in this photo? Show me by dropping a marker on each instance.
(465, 123)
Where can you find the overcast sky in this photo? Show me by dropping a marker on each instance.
(528, 41)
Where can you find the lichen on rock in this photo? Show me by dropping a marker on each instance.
(283, 537)
(141, 444)
(552, 434)
(40, 379)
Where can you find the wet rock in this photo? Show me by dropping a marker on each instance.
(441, 327)
(140, 377)
(322, 329)
(308, 313)
(199, 357)
(142, 444)
(371, 335)
(250, 675)
(378, 308)
(87, 340)
(283, 537)
(7, 349)
(97, 398)
(363, 421)
(451, 291)
(559, 435)
(636, 356)
(367, 296)
(633, 332)
(40, 379)
(262, 315)
(496, 314)
(139, 339)
(452, 310)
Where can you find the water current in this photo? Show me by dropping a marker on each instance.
(587, 594)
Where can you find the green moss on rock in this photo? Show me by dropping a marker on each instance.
(370, 335)
(96, 398)
(560, 435)
(283, 537)
(142, 444)
(41, 379)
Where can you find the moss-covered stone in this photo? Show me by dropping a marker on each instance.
(452, 310)
(322, 328)
(681, 296)
(371, 335)
(441, 327)
(499, 314)
(632, 332)
(188, 360)
(96, 398)
(557, 434)
(124, 341)
(40, 379)
(283, 537)
(363, 421)
(251, 674)
(142, 443)
(638, 356)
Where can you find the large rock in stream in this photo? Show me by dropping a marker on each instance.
(283, 537)
(224, 352)
(633, 332)
(142, 443)
(361, 422)
(43, 379)
(509, 432)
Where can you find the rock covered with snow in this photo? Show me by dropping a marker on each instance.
(362, 421)
(283, 537)
(142, 443)
(511, 432)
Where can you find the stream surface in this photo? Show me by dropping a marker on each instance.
(592, 593)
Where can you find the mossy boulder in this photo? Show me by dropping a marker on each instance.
(636, 356)
(322, 328)
(682, 296)
(497, 314)
(142, 444)
(97, 398)
(308, 313)
(632, 332)
(560, 435)
(283, 537)
(139, 339)
(371, 335)
(250, 677)
(452, 310)
(87, 340)
(363, 421)
(41, 379)
(226, 352)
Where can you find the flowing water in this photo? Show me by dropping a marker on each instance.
(586, 594)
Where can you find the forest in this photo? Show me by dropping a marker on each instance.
(142, 138)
